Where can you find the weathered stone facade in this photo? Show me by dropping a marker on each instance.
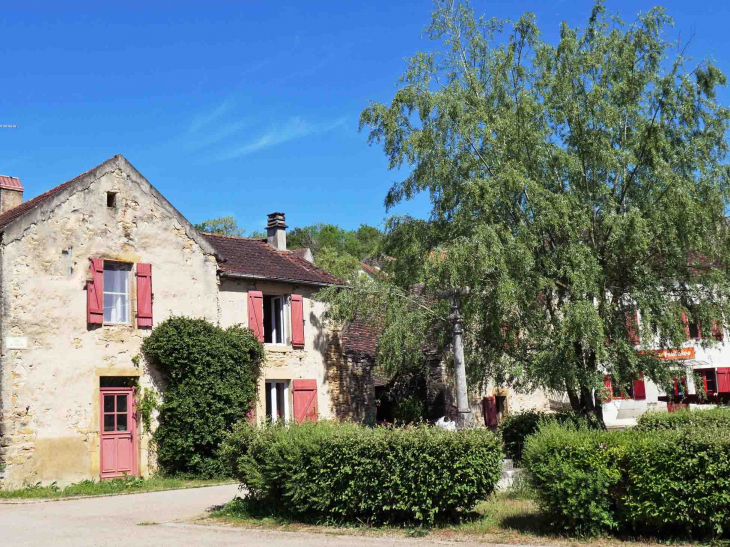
(351, 384)
(53, 362)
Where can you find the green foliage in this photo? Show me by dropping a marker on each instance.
(147, 403)
(226, 226)
(570, 182)
(211, 376)
(515, 428)
(336, 250)
(345, 472)
(697, 419)
(101, 488)
(667, 482)
(409, 410)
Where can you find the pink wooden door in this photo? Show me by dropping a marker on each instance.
(118, 433)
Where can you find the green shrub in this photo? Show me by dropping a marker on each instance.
(345, 472)
(654, 421)
(210, 375)
(515, 428)
(667, 482)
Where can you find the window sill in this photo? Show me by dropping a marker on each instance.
(277, 348)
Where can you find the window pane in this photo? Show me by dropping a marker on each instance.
(280, 399)
(115, 308)
(121, 403)
(278, 321)
(115, 280)
(121, 422)
(109, 422)
(108, 403)
(268, 399)
(268, 321)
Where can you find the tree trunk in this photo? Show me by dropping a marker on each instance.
(464, 415)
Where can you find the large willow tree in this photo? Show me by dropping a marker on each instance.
(570, 184)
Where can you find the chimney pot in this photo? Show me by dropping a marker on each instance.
(11, 193)
(276, 231)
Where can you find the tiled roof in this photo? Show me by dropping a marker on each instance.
(10, 183)
(16, 212)
(255, 258)
(360, 337)
(372, 270)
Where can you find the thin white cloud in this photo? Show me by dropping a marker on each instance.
(203, 120)
(295, 128)
(212, 135)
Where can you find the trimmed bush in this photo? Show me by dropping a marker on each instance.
(515, 428)
(655, 421)
(669, 482)
(210, 375)
(346, 472)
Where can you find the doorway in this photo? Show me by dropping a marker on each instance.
(118, 432)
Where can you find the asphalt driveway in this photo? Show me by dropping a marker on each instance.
(154, 519)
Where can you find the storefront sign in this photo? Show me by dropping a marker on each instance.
(684, 353)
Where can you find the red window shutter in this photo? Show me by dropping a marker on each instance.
(608, 391)
(723, 380)
(144, 295)
(632, 324)
(639, 389)
(718, 331)
(256, 314)
(685, 322)
(305, 400)
(95, 293)
(297, 321)
(489, 408)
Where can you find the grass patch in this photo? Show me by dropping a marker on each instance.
(101, 488)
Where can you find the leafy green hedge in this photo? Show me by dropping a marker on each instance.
(347, 472)
(669, 482)
(210, 375)
(515, 428)
(655, 421)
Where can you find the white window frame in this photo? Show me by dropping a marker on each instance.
(277, 301)
(118, 266)
(272, 390)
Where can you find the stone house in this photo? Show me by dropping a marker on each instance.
(87, 269)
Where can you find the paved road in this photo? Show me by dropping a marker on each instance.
(116, 521)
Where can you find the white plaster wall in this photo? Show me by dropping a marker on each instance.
(50, 390)
(284, 362)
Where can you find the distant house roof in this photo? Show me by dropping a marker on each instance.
(360, 337)
(367, 268)
(254, 258)
(10, 183)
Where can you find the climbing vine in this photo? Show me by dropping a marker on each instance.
(210, 376)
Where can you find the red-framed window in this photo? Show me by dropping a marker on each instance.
(692, 327)
(680, 386)
(635, 390)
(708, 377)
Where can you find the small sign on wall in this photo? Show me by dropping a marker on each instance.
(16, 342)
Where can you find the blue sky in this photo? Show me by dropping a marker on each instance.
(239, 108)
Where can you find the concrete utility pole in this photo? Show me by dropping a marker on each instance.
(464, 416)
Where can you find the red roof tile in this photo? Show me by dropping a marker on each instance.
(360, 337)
(10, 183)
(255, 258)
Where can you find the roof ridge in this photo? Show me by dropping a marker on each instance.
(16, 212)
(233, 237)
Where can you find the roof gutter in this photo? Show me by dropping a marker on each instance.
(275, 279)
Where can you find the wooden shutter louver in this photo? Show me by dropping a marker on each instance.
(297, 321)
(305, 400)
(144, 295)
(640, 389)
(489, 408)
(723, 380)
(256, 314)
(95, 293)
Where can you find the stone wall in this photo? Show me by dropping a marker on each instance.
(50, 391)
(351, 383)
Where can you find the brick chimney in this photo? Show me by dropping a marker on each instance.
(276, 231)
(11, 193)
